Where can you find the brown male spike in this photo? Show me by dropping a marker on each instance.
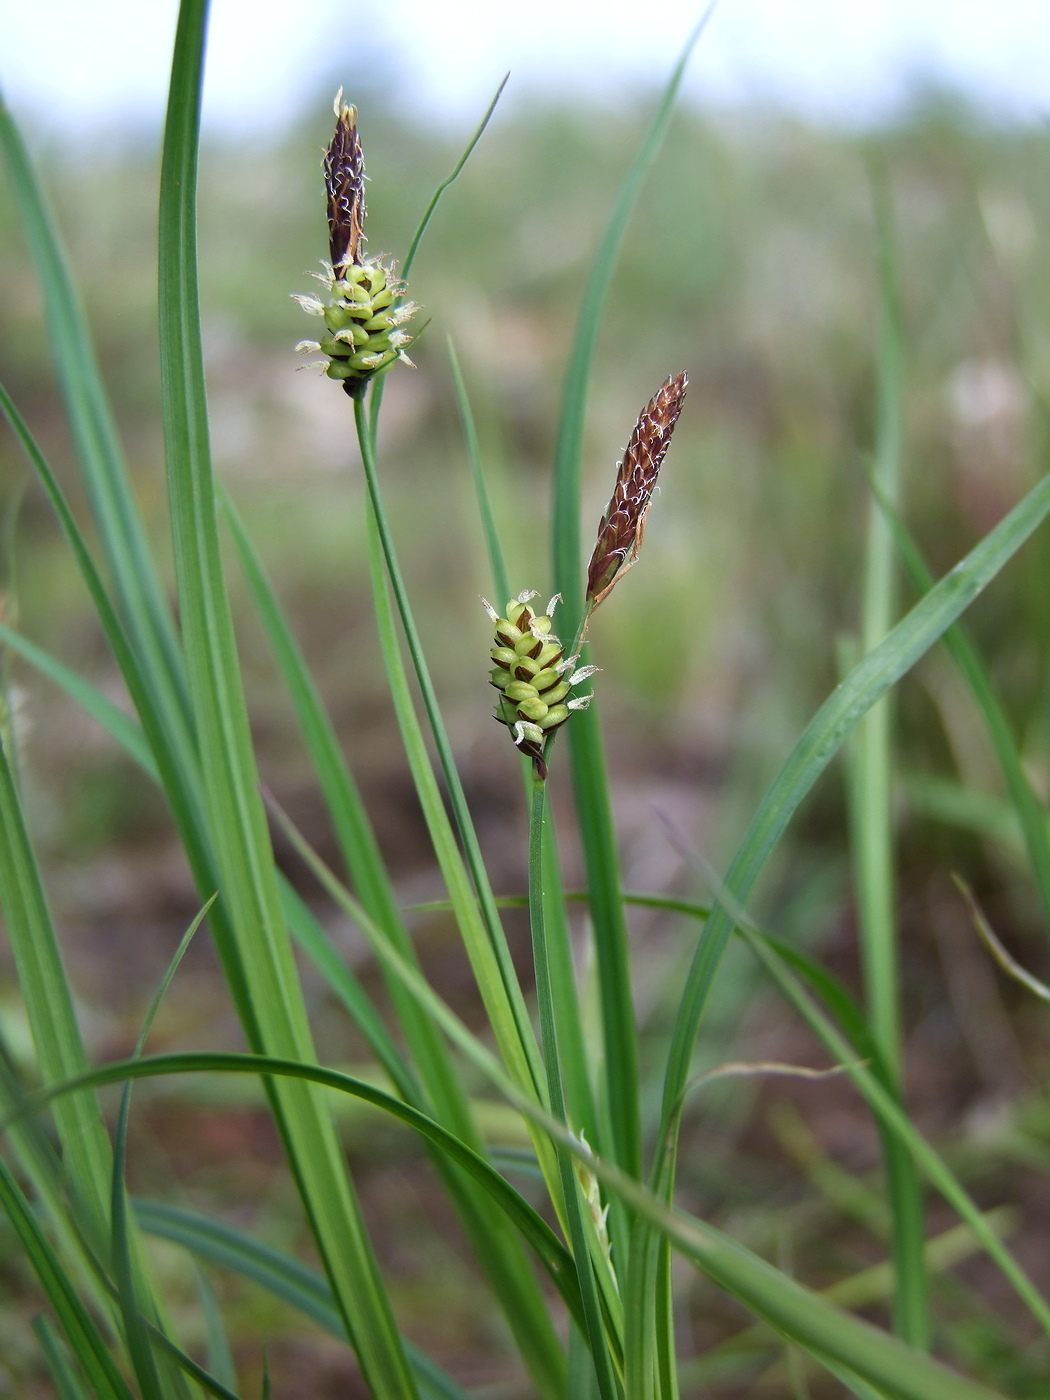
(623, 524)
(344, 177)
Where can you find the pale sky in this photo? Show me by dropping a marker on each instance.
(103, 60)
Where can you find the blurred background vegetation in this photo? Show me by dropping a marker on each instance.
(751, 264)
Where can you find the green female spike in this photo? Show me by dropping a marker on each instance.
(533, 676)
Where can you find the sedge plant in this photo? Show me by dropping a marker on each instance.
(580, 1265)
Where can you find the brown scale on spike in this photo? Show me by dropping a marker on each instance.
(623, 524)
(344, 177)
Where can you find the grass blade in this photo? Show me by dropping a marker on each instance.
(541, 1238)
(49, 1007)
(237, 822)
(67, 1384)
(435, 1086)
(117, 722)
(450, 179)
(879, 1359)
(1030, 813)
(593, 1267)
(124, 540)
(824, 736)
(424, 223)
(173, 757)
(539, 1346)
(870, 783)
(893, 1118)
(301, 1287)
(217, 1342)
(136, 1335)
(804, 1316)
(493, 966)
(497, 564)
(875, 1084)
(588, 760)
(83, 1336)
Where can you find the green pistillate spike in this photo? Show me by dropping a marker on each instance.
(533, 676)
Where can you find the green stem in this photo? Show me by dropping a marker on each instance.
(578, 1236)
(871, 774)
(457, 797)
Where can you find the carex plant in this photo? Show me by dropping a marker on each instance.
(580, 1264)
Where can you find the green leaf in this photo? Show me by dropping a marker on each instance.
(870, 790)
(588, 761)
(1030, 811)
(124, 540)
(593, 1268)
(893, 1120)
(67, 1383)
(81, 1333)
(869, 680)
(806, 1317)
(476, 911)
(52, 1019)
(136, 1334)
(126, 731)
(534, 1229)
(247, 877)
(301, 1287)
(219, 1351)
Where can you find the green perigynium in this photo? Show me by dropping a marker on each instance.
(533, 675)
(364, 313)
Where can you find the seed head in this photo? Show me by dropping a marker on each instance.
(623, 524)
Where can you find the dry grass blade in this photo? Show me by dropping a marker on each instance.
(344, 177)
(623, 524)
(990, 939)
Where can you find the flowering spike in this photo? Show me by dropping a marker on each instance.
(623, 524)
(528, 672)
(364, 312)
